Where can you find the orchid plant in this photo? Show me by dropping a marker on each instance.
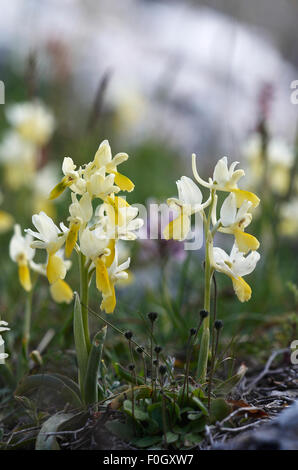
(235, 215)
(92, 233)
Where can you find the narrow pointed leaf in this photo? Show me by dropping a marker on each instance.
(80, 342)
(91, 390)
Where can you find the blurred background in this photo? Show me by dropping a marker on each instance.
(160, 80)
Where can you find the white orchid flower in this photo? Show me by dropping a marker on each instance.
(189, 202)
(33, 121)
(101, 185)
(235, 265)
(50, 238)
(119, 219)
(226, 179)
(234, 222)
(103, 159)
(72, 178)
(80, 213)
(21, 253)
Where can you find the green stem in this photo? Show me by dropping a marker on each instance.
(27, 326)
(204, 349)
(84, 286)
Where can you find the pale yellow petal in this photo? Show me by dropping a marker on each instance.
(246, 241)
(102, 277)
(108, 303)
(178, 228)
(109, 259)
(124, 183)
(242, 195)
(55, 269)
(71, 239)
(242, 289)
(24, 276)
(61, 292)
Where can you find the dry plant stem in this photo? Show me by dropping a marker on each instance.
(84, 287)
(106, 322)
(151, 354)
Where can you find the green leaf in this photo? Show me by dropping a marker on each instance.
(138, 414)
(219, 409)
(91, 392)
(69, 382)
(171, 437)
(80, 342)
(200, 405)
(49, 442)
(147, 441)
(192, 439)
(31, 382)
(225, 387)
(121, 430)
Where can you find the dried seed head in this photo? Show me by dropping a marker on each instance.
(152, 316)
(192, 331)
(139, 350)
(218, 324)
(162, 370)
(204, 314)
(131, 367)
(158, 349)
(128, 335)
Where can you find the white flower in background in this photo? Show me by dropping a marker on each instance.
(3, 327)
(225, 178)
(33, 120)
(21, 253)
(234, 222)
(189, 202)
(289, 218)
(236, 265)
(19, 159)
(279, 157)
(50, 238)
(6, 220)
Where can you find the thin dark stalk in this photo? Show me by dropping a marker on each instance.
(115, 328)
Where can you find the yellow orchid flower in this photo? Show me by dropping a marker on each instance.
(234, 222)
(226, 179)
(189, 202)
(235, 265)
